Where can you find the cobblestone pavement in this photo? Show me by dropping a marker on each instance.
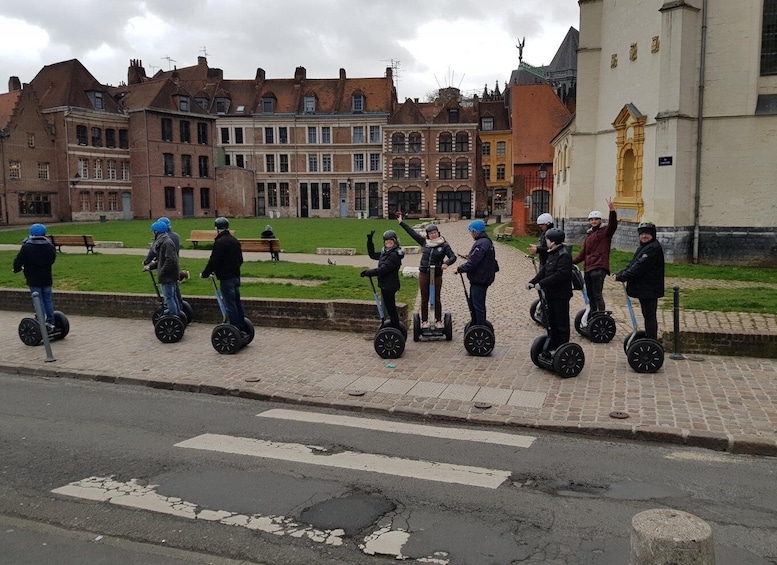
(724, 403)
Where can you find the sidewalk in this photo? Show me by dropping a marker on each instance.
(723, 403)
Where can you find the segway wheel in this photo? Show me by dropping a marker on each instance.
(225, 339)
(601, 329)
(448, 321)
(29, 332)
(188, 310)
(251, 332)
(158, 313)
(62, 324)
(479, 341)
(536, 349)
(416, 327)
(402, 327)
(389, 343)
(645, 355)
(537, 313)
(579, 322)
(169, 329)
(568, 360)
(631, 338)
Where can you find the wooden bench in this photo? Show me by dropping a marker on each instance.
(506, 234)
(72, 240)
(271, 246)
(203, 236)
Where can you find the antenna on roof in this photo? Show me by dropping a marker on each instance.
(395, 71)
(169, 60)
(152, 67)
(204, 51)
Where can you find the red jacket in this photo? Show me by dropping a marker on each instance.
(596, 246)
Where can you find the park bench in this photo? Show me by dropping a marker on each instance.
(261, 245)
(203, 236)
(506, 234)
(72, 240)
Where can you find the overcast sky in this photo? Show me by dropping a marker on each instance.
(437, 43)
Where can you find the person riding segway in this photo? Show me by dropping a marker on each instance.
(170, 323)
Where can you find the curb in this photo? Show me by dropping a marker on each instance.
(716, 441)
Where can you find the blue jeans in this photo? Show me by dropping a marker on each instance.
(170, 295)
(230, 292)
(46, 302)
(477, 302)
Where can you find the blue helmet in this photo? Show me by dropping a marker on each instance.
(165, 220)
(37, 230)
(478, 226)
(159, 227)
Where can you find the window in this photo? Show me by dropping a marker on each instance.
(453, 115)
(487, 172)
(358, 134)
(168, 164)
(167, 129)
(449, 202)
(269, 163)
(272, 194)
(204, 198)
(487, 124)
(409, 202)
(183, 103)
(312, 135)
(31, 140)
(446, 143)
(97, 137)
(43, 171)
(125, 170)
(98, 101)
(326, 195)
(358, 163)
(227, 159)
(414, 171)
(284, 195)
(326, 134)
(222, 105)
(186, 132)
(283, 134)
(268, 105)
(374, 162)
(500, 172)
(312, 163)
(357, 103)
(203, 166)
(283, 163)
(360, 197)
(15, 169)
(202, 133)
(769, 38)
(170, 197)
(113, 201)
(83, 168)
(414, 142)
(500, 148)
(486, 149)
(99, 201)
(446, 170)
(240, 161)
(202, 103)
(239, 135)
(98, 169)
(83, 198)
(310, 104)
(326, 163)
(268, 135)
(398, 143)
(124, 139)
(374, 134)
(314, 196)
(462, 142)
(186, 165)
(397, 169)
(34, 204)
(462, 169)
(111, 168)
(225, 135)
(110, 138)
(81, 135)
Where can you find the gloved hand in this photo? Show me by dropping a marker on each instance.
(529, 286)
(369, 235)
(203, 275)
(537, 286)
(364, 273)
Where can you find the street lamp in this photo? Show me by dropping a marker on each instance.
(543, 172)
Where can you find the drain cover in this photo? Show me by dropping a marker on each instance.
(619, 415)
(253, 379)
(482, 405)
(356, 392)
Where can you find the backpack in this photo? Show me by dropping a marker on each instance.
(577, 278)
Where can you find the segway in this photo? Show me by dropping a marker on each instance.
(31, 331)
(446, 330)
(187, 312)
(598, 326)
(389, 341)
(535, 308)
(479, 341)
(566, 361)
(168, 328)
(226, 338)
(644, 354)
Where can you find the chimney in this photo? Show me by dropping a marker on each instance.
(259, 74)
(389, 73)
(14, 84)
(202, 61)
(136, 73)
(299, 74)
(342, 74)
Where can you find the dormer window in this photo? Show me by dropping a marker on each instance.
(241, 108)
(453, 115)
(183, 103)
(487, 124)
(222, 105)
(96, 98)
(268, 105)
(310, 104)
(202, 103)
(357, 103)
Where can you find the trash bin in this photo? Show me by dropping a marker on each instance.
(103, 219)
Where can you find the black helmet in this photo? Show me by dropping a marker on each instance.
(555, 235)
(221, 223)
(432, 227)
(647, 227)
(391, 234)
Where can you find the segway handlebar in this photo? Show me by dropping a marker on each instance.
(377, 300)
(219, 298)
(630, 307)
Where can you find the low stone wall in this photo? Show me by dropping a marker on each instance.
(722, 343)
(337, 315)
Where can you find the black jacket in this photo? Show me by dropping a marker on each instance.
(542, 247)
(36, 257)
(432, 254)
(389, 263)
(555, 276)
(225, 258)
(644, 275)
(481, 265)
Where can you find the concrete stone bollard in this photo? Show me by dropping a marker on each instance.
(665, 536)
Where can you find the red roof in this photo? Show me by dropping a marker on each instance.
(538, 115)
